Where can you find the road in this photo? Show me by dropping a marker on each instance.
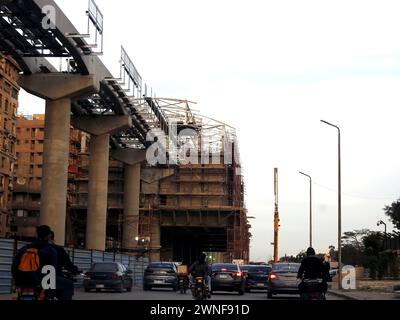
(167, 294)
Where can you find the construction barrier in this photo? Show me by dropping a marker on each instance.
(82, 258)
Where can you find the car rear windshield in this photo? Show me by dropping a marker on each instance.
(286, 267)
(225, 267)
(161, 266)
(104, 267)
(259, 269)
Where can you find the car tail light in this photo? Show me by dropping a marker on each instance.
(237, 275)
(273, 276)
(86, 276)
(116, 277)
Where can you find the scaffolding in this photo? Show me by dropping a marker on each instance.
(213, 183)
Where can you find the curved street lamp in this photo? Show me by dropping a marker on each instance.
(339, 206)
(309, 177)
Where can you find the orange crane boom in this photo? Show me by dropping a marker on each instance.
(276, 216)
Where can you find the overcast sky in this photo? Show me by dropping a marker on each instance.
(273, 69)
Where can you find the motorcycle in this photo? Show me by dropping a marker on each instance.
(35, 294)
(313, 289)
(200, 291)
(39, 294)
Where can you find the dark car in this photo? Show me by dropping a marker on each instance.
(257, 277)
(227, 277)
(108, 276)
(160, 275)
(283, 279)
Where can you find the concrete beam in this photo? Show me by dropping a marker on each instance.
(100, 125)
(129, 156)
(53, 86)
(98, 190)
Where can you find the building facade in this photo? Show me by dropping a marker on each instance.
(28, 174)
(9, 90)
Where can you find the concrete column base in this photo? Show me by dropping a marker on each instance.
(155, 240)
(53, 200)
(98, 191)
(131, 206)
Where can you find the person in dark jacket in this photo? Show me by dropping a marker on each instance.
(312, 267)
(65, 287)
(200, 268)
(47, 256)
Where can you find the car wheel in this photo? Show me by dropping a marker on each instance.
(248, 290)
(269, 295)
(146, 288)
(129, 289)
(241, 292)
(87, 289)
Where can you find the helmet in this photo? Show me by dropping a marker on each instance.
(310, 252)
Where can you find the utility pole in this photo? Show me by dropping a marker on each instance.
(276, 216)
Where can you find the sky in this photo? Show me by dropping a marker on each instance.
(273, 70)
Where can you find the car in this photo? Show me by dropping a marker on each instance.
(227, 277)
(333, 272)
(160, 275)
(257, 277)
(108, 276)
(283, 279)
(244, 268)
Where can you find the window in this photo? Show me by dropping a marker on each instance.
(30, 169)
(1, 181)
(6, 106)
(3, 162)
(20, 213)
(14, 93)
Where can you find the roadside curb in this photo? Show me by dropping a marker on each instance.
(342, 295)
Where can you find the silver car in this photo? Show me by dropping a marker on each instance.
(283, 279)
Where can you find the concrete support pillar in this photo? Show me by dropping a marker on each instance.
(55, 167)
(155, 240)
(58, 89)
(131, 206)
(100, 129)
(98, 190)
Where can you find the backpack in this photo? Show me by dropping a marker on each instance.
(29, 261)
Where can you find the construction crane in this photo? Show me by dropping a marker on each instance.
(276, 216)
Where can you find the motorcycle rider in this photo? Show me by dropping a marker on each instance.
(31, 276)
(65, 287)
(200, 268)
(312, 267)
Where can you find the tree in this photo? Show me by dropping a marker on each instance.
(393, 212)
(372, 247)
(354, 238)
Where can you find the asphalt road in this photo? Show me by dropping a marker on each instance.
(168, 294)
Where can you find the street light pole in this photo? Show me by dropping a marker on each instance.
(381, 222)
(339, 207)
(309, 177)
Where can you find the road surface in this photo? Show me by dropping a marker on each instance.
(168, 294)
